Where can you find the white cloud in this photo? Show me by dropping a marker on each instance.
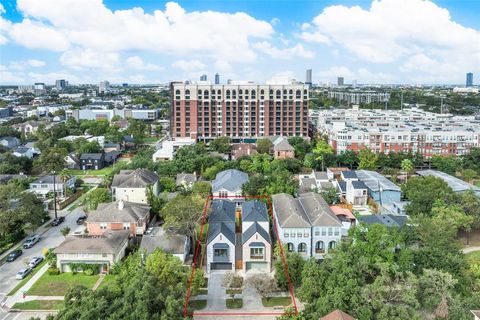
(89, 24)
(188, 65)
(286, 53)
(223, 66)
(36, 35)
(36, 63)
(137, 63)
(416, 33)
(362, 75)
(87, 58)
(274, 21)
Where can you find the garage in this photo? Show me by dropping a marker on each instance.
(220, 266)
(257, 266)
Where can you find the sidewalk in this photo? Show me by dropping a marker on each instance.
(470, 249)
(18, 296)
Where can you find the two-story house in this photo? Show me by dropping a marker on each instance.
(256, 241)
(134, 185)
(228, 184)
(221, 236)
(45, 185)
(104, 251)
(356, 192)
(314, 181)
(282, 149)
(306, 224)
(119, 215)
(92, 161)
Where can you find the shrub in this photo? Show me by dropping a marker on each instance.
(88, 272)
(53, 271)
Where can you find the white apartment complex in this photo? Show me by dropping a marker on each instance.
(409, 130)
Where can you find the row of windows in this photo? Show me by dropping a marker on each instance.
(240, 91)
(319, 246)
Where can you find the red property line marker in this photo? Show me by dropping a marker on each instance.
(194, 264)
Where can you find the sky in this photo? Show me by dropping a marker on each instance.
(152, 41)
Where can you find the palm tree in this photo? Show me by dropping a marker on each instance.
(64, 177)
(407, 166)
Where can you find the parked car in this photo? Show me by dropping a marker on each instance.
(22, 273)
(30, 241)
(35, 262)
(57, 221)
(81, 220)
(14, 255)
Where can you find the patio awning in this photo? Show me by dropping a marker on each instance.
(220, 246)
(256, 244)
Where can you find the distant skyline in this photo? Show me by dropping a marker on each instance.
(377, 42)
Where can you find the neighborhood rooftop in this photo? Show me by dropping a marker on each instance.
(107, 243)
(456, 184)
(169, 242)
(138, 178)
(119, 211)
(229, 180)
(375, 181)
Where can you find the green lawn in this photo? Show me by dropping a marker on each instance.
(101, 172)
(107, 280)
(151, 139)
(22, 283)
(198, 304)
(234, 303)
(57, 285)
(39, 305)
(276, 301)
(473, 257)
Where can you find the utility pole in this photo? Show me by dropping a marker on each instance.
(54, 195)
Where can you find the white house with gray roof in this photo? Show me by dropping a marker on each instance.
(306, 224)
(256, 240)
(221, 251)
(133, 185)
(228, 184)
(177, 244)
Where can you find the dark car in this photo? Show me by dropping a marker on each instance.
(14, 255)
(81, 220)
(57, 221)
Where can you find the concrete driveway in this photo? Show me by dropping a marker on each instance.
(51, 238)
(216, 297)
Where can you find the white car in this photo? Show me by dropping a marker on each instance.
(22, 273)
(35, 262)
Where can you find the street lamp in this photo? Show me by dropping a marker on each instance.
(54, 195)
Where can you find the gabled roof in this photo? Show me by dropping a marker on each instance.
(230, 180)
(254, 210)
(343, 186)
(375, 181)
(359, 185)
(222, 211)
(86, 156)
(349, 174)
(21, 150)
(318, 211)
(114, 212)
(111, 242)
(73, 157)
(169, 242)
(227, 229)
(185, 177)
(112, 155)
(320, 175)
(386, 219)
(456, 184)
(282, 144)
(138, 178)
(289, 212)
(253, 229)
(337, 315)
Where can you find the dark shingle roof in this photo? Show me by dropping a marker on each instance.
(349, 174)
(254, 210)
(222, 211)
(138, 178)
(86, 156)
(230, 180)
(225, 228)
(359, 185)
(254, 228)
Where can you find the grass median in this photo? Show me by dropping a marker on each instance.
(28, 277)
(39, 305)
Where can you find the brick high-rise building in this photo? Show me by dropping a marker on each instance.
(240, 111)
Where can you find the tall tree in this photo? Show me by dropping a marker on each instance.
(367, 159)
(184, 213)
(264, 145)
(52, 159)
(321, 150)
(221, 144)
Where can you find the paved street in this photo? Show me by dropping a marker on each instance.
(26, 315)
(51, 238)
